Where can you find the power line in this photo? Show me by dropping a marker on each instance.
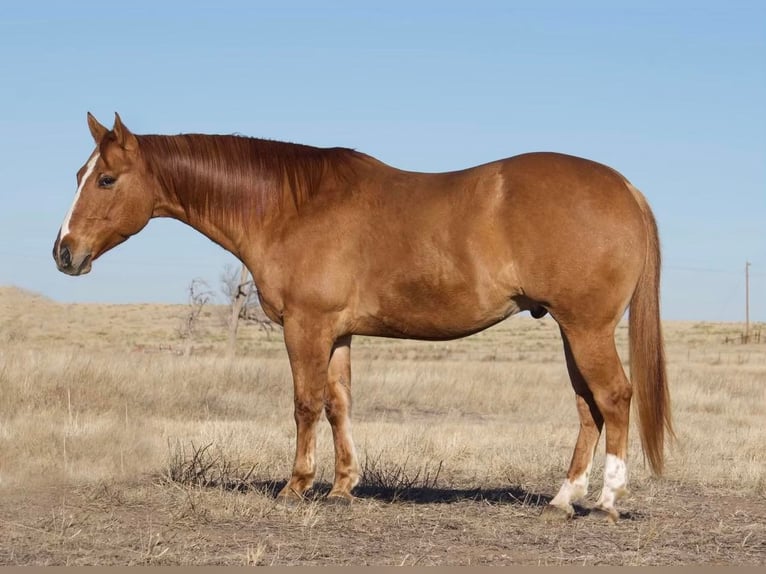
(707, 270)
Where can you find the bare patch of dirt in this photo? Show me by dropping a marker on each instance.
(168, 524)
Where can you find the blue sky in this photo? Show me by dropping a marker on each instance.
(672, 94)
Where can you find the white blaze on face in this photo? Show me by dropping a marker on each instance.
(88, 172)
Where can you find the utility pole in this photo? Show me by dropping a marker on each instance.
(747, 301)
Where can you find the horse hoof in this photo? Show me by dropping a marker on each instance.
(339, 499)
(553, 513)
(289, 497)
(609, 514)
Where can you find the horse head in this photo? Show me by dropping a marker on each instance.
(114, 199)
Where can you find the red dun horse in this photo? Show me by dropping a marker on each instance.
(342, 244)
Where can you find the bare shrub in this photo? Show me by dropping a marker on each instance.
(205, 466)
(394, 479)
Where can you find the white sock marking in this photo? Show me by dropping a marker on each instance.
(88, 172)
(615, 481)
(572, 490)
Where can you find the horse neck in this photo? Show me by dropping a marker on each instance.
(212, 183)
(237, 190)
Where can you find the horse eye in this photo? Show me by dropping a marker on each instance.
(106, 181)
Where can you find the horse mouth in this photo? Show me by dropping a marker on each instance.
(82, 268)
(85, 265)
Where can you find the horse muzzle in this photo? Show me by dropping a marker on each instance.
(69, 262)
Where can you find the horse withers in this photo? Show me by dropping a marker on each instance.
(340, 244)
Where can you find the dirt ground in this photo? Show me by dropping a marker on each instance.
(152, 522)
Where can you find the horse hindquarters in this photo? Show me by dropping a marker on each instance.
(603, 390)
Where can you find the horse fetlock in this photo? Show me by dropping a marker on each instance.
(345, 481)
(572, 490)
(297, 486)
(608, 497)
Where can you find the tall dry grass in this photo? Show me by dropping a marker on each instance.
(102, 392)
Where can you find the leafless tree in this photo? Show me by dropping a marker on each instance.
(199, 296)
(238, 287)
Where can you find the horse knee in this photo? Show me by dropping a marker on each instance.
(307, 410)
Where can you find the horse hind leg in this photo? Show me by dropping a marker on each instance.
(575, 485)
(593, 355)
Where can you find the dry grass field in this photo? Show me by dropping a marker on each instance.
(122, 442)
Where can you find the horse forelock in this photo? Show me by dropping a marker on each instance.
(234, 178)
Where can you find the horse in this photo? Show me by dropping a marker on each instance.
(342, 244)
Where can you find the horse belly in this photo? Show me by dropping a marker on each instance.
(443, 278)
(420, 309)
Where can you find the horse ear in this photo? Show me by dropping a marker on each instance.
(123, 135)
(96, 129)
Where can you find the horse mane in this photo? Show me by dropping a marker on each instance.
(225, 177)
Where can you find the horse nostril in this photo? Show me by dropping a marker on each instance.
(65, 256)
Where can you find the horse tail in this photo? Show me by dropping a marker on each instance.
(647, 353)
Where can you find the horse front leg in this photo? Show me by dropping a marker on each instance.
(309, 345)
(338, 410)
